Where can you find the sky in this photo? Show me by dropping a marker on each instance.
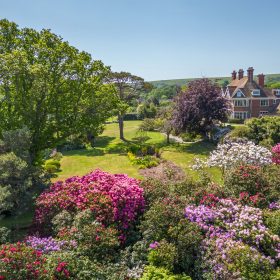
(162, 39)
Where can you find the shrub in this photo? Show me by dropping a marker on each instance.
(52, 165)
(272, 220)
(94, 239)
(112, 199)
(237, 121)
(143, 162)
(190, 137)
(5, 235)
(239, 132)
(70, 265)
(149, 125)
(155, 273)
(164, 254)
(264, 128)
(162, 215)
(18, 261)
(245, 178)
(276, 154)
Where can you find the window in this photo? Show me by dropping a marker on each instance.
(276, 92)
(240, 115)
(256, 92)
(262, 113)
(274, 101)
(264, 102)
(240, 103)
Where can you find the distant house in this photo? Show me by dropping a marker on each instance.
(250, 98)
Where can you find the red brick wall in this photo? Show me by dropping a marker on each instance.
(256, 108)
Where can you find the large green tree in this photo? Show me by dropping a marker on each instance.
(128, 87)
(50, 87)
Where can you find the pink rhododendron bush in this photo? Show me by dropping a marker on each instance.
(113, 200)
(276, 154)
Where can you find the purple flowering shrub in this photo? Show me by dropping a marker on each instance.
(49, 244)
(230, 230)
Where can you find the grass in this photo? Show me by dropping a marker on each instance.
(109, 154)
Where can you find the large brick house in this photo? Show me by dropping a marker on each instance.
(251, 98)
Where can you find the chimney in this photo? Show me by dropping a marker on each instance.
(233, 75)
(250, 73)
(240, 74)
(261, 80)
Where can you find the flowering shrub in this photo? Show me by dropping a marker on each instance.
(49, 244)
(233, 153)
(113, 199)
(19, 261)
(245, 178)
(229, 227)
(152, 272)
(276, 154)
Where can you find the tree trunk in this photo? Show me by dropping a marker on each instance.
(120, 118)
(168, 138)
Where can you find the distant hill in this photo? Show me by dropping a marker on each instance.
(269, 79)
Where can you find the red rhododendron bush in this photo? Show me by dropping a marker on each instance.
(114, 200)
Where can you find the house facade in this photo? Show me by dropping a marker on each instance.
(250, 98)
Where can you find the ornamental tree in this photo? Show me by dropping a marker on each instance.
(199, 107)
(50, 87)
(127, 87)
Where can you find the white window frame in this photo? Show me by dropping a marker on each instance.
(266, 102)
(274, 101)
(276, 92)
(238, 103)
(242, 115)
(256, 92)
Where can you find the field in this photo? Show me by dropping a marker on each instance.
(270, 78)
(109, 153)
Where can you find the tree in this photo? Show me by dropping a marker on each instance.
(50, 87)
(166, 125)
(199, 107)
(127, 88)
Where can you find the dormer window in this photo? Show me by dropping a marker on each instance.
(238, 94)
(276, 92)
(256, 92)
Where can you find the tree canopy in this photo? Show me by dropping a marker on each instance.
(199, 107)
(50, 87)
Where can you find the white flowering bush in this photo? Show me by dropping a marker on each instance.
(230, 154)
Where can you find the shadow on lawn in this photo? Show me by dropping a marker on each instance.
(85, 152)
(199, 148)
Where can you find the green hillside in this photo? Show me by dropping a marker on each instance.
(269, 79)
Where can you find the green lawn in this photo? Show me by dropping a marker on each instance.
(109, 154)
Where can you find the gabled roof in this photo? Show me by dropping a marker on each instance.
(247, 87)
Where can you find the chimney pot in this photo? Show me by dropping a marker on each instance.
(233, 75)
(250, 73)
(240, 74)
(261, 79)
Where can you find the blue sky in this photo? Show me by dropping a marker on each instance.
(162, 39)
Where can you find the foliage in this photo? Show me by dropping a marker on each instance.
(146, 110)
(50, 87)
(245, 178)
(276, 154)
(113, 199)
(155, 273)
(5, 235)
(144, 161)
(19, 261)
(272, 220)
(163, 255)
(149, 125)
(239, 132)
(264, 129)
(52, 165)
(199, 107)
(127, 87)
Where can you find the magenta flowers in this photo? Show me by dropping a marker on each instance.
(113, 199)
